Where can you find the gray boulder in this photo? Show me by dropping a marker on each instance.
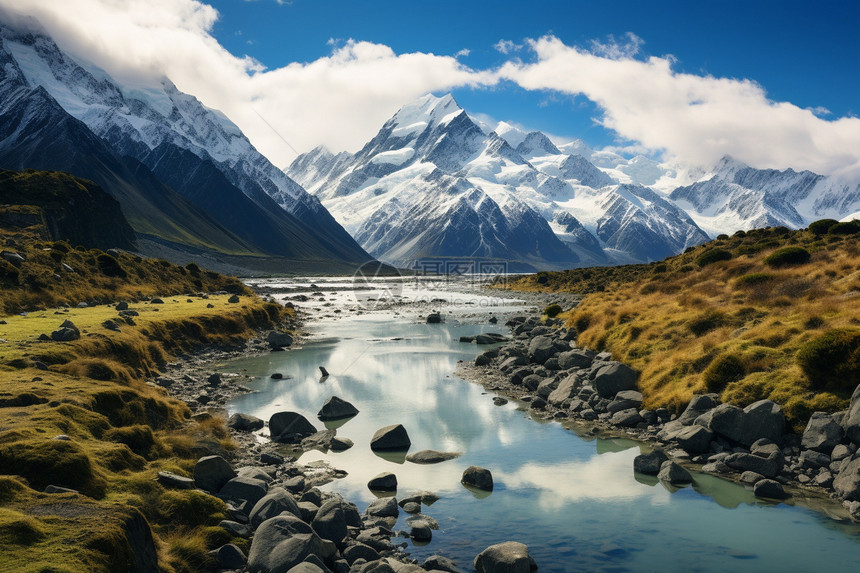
(693, 439)
(434, 318)
(175, 481)
(741, 462)
(307, 567)
(566, 390)
(245, 422)
(385, 481)
(242, 488)
(290, 427)
(212, 472)
(847, 483)
(360, 551)
(507, 557)
(851, 422)
(384, 507)
(392, 437)
(336, 408)
(822, 433)
(277, 339)
(699, 404)
(229, 557)
(673, 473)
(762, 419)
(769, 488)
(319, 440)
(330, 521)
(626, 418)
(625, 400)
(431, 457)
(577, 358)
(614, 377)
(65, 334)
(283, 542)
(649, 463)
(477, 477)
(274, 503)
(420, 531)
(541, 349)
(727, 421)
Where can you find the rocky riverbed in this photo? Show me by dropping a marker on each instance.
(275, 501)
(590, 392)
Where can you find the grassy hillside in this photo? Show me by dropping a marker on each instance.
(122, 431)
(770, 313)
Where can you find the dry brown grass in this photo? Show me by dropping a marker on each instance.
(670, 320)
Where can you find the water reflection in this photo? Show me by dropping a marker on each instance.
(575, 501)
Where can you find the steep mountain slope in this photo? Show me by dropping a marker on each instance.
(58, 115)
(432, 171)
(71, 209)
(735, 196)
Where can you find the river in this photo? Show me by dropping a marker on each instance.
(574, 500)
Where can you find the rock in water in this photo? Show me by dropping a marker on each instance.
(277, 339)
(478, 477)
(507, 557)
(434, 318)
(385, 481)
(336, 408)
(770, 489)
(324, 372)
(649, 463)
(245, 422)
(673, 473)
(290, 427)
(392, 437)
(431, 457)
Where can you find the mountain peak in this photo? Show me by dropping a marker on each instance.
(426, 110)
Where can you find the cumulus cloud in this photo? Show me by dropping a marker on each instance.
(342, 99)
(506, 46)
(339, 100)
(692, 119)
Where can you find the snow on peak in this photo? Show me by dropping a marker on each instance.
(511, 133)
(426, 110)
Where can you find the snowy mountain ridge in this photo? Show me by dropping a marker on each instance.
(433, 177)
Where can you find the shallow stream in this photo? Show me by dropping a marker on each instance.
(575, 501)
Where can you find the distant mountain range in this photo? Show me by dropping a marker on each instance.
(433, 185)
(189, 182)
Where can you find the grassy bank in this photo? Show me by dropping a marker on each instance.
(770, 313)
(122, 431)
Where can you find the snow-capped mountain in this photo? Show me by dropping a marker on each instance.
(734, 196)
(57, 113)
(433, 183)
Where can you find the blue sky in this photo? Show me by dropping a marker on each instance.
(801, 52)
(771, 83)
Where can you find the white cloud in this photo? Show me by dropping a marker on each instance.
(506, 46)
(340, 100)
(463, 53)
(692, 119)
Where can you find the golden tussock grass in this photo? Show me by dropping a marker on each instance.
(671, 320)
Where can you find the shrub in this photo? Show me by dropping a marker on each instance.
(706, 322)
(582, 322)
(821, 227)
(109, 266)
(722, 237)
(723, 371)
(752, 279)
(848, 228)
(832, 361)
(552, 310)
(787, 256)
(8, 273)
(713, 256)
